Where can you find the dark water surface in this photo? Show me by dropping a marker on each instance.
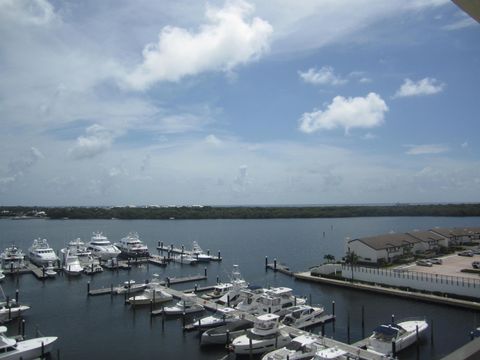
(103, 327)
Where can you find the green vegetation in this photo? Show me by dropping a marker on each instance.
(244, 212)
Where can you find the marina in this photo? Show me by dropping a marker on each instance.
(343, 305)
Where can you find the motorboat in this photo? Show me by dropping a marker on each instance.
(50, 270)
(185, 306)
(278, 301)
(93, 268)
(221, 317)
(11, 349)
(78, 248)
(249, 299)
(184, 259)
(218, 335)
(267, 335)
(71, 264)
(229, 293)
(332, 353)
(154, 293)
(41, 253)
(302, 316)
(130, 287)
(402, 334)
(199, 254)
(101, 247)
(301, 347)
(132, 247)
(12, 258)
(10, 309)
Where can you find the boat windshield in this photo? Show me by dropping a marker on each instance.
(385, 333)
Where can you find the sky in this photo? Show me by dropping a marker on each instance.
(238, 102)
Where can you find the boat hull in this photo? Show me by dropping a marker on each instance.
(31, 349)
(241, 345)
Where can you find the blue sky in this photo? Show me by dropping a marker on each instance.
(238, 102)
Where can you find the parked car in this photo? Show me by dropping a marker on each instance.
(466, 253)
(436, 261)
(424, 263)
(476, 264)
(476, 251)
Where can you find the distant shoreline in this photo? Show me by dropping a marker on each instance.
(239, 212)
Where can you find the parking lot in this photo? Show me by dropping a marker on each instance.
(451, 265)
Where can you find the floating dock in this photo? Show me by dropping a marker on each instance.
(174, 250)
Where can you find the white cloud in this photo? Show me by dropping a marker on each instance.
(347, 113)
(464, 145)
(18, 167)
(427, 149)
(213, 140)
(324, 76)
(97, 140)
(27, 12)
(227, 40)
(426, 86)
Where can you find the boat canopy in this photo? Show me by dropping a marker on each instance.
(386, 330)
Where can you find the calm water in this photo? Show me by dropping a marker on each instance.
(103, 327)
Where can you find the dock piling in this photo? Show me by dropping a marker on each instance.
(219, 255)
(266, 262)
(363, 322)
(88, 287)
(333, 307)
(16, 296)
(275, 264)
(205, 271)
(393, 319)
(348, 327)
(431, 331)
(394, 351)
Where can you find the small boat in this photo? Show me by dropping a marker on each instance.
(101, 247)
(184, 259)
(11, 349)
(185, 306)
(50, 270)
(154, 293)
(402, 334)
(218, 335)
(232, 297)
(41, 253)
(130, 287)
(250, 298)
(199, 254)
(131, 247)
(332, 353)
(266, 335)
(77, 247)
(301, 347)
(302, 316)
(93, 268)
(71, 263)
(12, 258)
(221, 317)
(10, 309)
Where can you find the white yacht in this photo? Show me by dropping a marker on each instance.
(131, 247)
(221, 317)
(301, 347)
(218, 335)
(101, 247)
(229, 293)
(11, 349)
(12, 258)
(249, 299)
(154, 293)
(266, 335)
(71, 263)
(403, 334)
(185, 306)
(278, 301)
(199, 254)
(41, 253)
(302, 316)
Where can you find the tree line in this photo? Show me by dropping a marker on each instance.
(245, 212)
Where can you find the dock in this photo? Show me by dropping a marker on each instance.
(282, 268)
(121, 289)
(179, 251)
(306, 276)
(352, 350)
